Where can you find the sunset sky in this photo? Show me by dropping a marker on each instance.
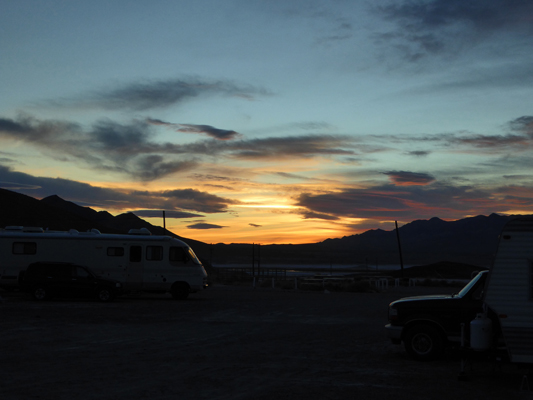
(270, 121)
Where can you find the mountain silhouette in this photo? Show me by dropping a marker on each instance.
(470, 240)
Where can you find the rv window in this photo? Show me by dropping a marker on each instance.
(136, 253)
(154, 253)
(177, 254)
(24, 248)
(115, 251)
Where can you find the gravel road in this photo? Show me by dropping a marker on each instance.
(228, 342)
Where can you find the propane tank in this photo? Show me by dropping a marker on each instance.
(480, 332)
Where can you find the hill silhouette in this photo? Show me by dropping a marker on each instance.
(470, 240)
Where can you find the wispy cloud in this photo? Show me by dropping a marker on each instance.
(293, 146)
(216, 133)
(450, 26)
(149, 95)
(291, 176)
(419, 153)
(516, 135)
(406, 178)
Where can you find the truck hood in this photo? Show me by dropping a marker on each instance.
(428, 298)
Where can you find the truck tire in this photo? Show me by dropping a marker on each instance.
(104, 295)
(40, 293)
(424, 342)
(180, 290)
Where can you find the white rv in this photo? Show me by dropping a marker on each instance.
(509, 288)
(142, 262)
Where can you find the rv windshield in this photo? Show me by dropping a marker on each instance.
(193, 257)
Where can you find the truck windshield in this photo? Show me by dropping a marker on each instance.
(472, 283)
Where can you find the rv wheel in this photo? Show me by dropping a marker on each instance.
(40, 293)
(104, 295)
(180, 291)
(424, 342)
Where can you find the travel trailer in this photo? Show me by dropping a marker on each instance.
(140, 261)
(509, 289)
(493, 312)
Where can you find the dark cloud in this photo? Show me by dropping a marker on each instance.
(523, 125)
(519, 137)
(518, 177)
(40, 187)
(172, 201)
(255, 225)
(108, 146)
(153, 167)
(491, 141)
(216, 133)
(291, 176)
(419, 153)
(132, 148)
(436, 26)
(221, 134)
(400, 202)
(205, 226)
(27, 128)
(142, 96)
(353, 203)
(273, 148)
(209, 177)
(192, 199)
(314, 215)
(18, 186)
(405, 178)
(292, 146)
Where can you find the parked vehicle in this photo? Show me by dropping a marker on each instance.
(496, 307)
(509, 289)
(427, 324)
(45, 280)
(140, 261)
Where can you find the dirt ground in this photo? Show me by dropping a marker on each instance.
(228, 343)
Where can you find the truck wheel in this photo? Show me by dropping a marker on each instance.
(424, 342)
(180, 291)
(40, 293)
(104, 295)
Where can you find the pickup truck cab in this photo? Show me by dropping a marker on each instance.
(427, 324)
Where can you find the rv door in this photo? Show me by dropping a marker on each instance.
(134, 276)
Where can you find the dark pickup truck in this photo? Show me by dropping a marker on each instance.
(427, 324)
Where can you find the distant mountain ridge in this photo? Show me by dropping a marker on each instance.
(469, 240)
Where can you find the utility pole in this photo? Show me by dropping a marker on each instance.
(399, 246)
(253, 259)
